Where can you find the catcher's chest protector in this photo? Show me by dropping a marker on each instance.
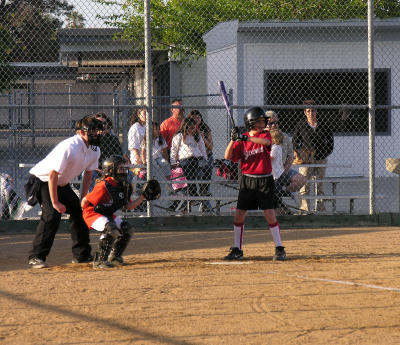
(118, 197)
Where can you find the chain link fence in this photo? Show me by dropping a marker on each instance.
(61, 60)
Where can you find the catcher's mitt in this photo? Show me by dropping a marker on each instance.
(151, 190)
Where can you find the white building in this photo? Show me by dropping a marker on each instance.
(287, 62)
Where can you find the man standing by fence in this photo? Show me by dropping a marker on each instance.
(53, 175)
(313, 142)
(171, 125)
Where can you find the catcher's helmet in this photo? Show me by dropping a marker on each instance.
(252, 115)
(110, 167)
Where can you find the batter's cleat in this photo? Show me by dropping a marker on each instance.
(235, 254)
(37, 263)
(117, 261)
(280, 254)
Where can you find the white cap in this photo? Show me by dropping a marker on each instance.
(271, 113)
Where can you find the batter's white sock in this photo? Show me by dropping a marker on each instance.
(276, 234)
(238, 229)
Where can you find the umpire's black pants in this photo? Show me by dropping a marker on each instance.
(50, 221)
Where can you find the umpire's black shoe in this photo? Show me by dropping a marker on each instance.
(280, 254)
(84, 260)
(235, 254)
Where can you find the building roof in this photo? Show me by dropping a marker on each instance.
(43, 70)
(229, 33)
(88, 47)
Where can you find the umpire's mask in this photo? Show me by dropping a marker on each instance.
(94, 129)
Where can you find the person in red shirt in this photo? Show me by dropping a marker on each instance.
(99, 207)
(171, 125)
(256, 188)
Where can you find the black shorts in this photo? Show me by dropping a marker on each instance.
(257, 193)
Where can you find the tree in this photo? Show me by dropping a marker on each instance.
(28, 30)
(6, 72)
(180, 24)
(75, 21)
(32, 26)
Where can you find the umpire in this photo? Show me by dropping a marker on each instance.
(52, 176)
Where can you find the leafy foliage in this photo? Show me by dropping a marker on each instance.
(32, 25)
(6, 45)
(75, 20)
(180, 24)
(28, 30)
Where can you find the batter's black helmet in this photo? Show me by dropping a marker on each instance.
(110, 167)
(252, 115)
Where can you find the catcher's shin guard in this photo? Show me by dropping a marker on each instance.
(107, 238)
(122, 241)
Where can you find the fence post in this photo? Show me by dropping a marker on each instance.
(147, 92)
(371, 106)
(228, 122)
(115, 115)
(125, 122)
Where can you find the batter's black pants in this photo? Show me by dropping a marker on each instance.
(50, 221)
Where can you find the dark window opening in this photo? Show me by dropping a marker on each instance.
(329, 88)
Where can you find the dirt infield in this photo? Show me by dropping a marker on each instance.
(339, 286)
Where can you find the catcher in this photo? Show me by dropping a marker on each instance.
(99, 206)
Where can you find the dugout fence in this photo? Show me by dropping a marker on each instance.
(116, 59)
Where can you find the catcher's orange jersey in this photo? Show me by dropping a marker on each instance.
(99, 195)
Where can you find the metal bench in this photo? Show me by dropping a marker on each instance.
(334, 181)
(351, 198)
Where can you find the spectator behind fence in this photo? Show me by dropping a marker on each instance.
(109, 145)
(205, 132)
(188, 150)
(11, 205)
(136, 134)
(162, 169)
(313, 142)
(278, 168)
(53, 175)
(172, 124)
(290, 180)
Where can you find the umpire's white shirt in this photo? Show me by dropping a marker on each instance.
(69, 158)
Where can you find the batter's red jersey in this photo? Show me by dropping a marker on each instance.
(254, 158)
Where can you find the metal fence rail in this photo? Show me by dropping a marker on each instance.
(94, 58)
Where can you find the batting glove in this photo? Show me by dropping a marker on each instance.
(234, 133)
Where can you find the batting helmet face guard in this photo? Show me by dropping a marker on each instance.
(111, 168)
(252, 115)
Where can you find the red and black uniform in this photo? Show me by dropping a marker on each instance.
(257, 189)
(105, 199)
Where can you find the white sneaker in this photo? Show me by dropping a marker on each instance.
(37, 263)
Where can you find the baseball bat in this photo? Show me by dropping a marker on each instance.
(225, 98)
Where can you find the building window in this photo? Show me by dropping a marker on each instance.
(329, 87)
